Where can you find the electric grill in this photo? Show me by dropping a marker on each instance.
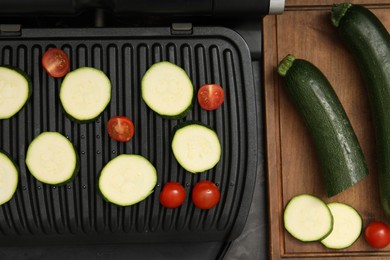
(214, 42)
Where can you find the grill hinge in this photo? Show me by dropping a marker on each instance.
(181, 28)
(10, 29)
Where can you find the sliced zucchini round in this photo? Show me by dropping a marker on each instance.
(15, 90)
(52, 159)
(127, 179)
(9, 176)
(347, 226)
(85, 93)
(307, 218)
(167, 90)
(196, 147)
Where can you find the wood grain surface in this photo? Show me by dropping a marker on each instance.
(312, 3)
(293, 167)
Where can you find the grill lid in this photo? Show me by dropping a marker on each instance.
(75, 213)
(146, 7)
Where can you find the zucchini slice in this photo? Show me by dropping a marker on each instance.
(196, 147)
(9, 177)
(307, 218)
(85, 93)
(52, 159)
(167, 90)
(347, 226)
(369, 42)
(127, 179)
(15, 90)
(340, 155)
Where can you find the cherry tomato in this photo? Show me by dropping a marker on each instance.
(172, 195)
(56, 62)
(211, 96)
(205, 194)
(120, 128)
(377, 234)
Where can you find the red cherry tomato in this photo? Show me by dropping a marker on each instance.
(377, 234)
(120, 128)
(205, 195)
(56, 62)
(172, 195)
(211, 96)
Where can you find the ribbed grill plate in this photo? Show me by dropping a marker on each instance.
(75, 212)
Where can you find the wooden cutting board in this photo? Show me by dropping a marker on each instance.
(305, 31)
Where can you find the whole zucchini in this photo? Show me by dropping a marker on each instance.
(341, 158)
(369, 42)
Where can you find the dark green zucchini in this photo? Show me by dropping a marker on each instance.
(341, 158)
(369, 42)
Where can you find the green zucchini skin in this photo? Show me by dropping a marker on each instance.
(78, 121)
(369, 42)
(340, 155)
(179, 116)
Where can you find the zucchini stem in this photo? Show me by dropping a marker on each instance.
(338, 12)
(285, 64)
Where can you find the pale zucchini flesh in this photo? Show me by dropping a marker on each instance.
(85, 93)
(196, 147)
(8, 178)
(52, 159)
(167, 90)
(127, 179)
(307, 218)
(347, 226)
(15, 89)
